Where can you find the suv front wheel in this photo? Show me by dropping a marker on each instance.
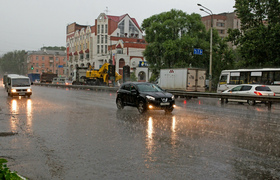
(141, 107)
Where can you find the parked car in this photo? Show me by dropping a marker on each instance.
(248, 89)
(61, 80)
(145, 96)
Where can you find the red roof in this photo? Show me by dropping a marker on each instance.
(76, 53)
(119, 18)
(70, 54)
(81, 52)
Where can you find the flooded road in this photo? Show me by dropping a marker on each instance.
(77, 134)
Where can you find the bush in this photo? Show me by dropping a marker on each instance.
(5, 173)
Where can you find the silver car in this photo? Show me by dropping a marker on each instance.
(248, 89)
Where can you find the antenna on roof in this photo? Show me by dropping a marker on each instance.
(106, 11)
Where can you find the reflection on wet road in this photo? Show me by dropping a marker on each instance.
(78, 134)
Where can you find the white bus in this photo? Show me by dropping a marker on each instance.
(18, 85)
(265, 76)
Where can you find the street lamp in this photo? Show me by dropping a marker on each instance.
(208, 11)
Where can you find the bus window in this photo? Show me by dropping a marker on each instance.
(244, 77)
(223, 79)
(234, 80)
(267, 78)
(276, 79)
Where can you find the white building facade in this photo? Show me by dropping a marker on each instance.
(117, 40)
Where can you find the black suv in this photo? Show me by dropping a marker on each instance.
(144, 96)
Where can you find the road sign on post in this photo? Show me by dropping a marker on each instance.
(197, 51)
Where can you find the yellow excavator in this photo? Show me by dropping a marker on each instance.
(90, 76)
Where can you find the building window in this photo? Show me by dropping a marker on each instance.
(106, 49)
(37, 70)
(221, 31)
(106, 28)
(106, 39)
(37, 65)
(56, 58)
(43, 65)
(37, 58)
(132, 29)
(121, 27)
(102, 39)
(98, 29)
(98, 49)
(43, 58)
(219, 24)
(102, 28)
(119, 51)
(98, 39)
(102, 49)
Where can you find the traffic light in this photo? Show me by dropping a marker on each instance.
(126, 73)
(111, 70)
(32, 67)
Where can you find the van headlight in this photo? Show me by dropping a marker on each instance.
(13, 90)
(150, 98)
(28, 90)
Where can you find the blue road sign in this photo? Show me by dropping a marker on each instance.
(60, 66)
(197, 51)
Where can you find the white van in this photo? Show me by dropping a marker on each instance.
(18, 85)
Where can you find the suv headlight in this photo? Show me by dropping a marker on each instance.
(28, 90)
(151, 98)
(173, 97)
(13, 90)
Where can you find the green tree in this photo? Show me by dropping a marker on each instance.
(13, 62)
(259, 38)
(172, 37)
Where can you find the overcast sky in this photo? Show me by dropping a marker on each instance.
(32, 24)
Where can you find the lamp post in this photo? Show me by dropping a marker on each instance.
(208, 11)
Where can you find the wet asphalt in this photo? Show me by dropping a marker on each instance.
(79, 134)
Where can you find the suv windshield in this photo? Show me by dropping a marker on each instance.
(20, 82)
(148, 88)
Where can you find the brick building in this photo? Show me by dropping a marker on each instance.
(222, 22)
(114, 39)
(47, 61)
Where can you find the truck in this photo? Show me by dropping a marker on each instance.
(89, 76)
(47, 77)
(33, 77)
(185, 79)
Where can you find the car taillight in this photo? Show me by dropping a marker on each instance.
(273, 94)
(257, 93)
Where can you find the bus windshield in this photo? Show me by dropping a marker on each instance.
(20, 82)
